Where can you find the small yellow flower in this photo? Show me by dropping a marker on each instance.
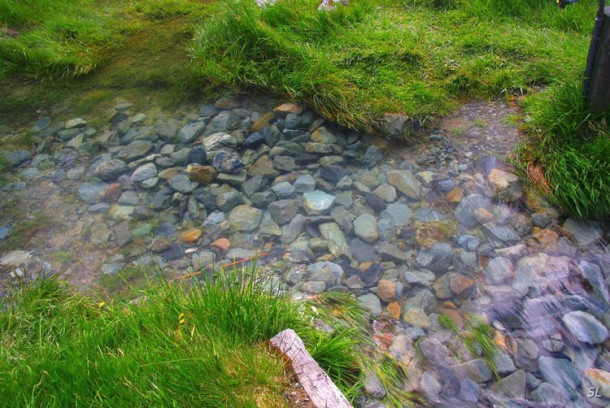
(101, 304)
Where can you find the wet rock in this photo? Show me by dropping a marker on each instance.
(390, 252)
(362, 251)
(371, 303)
(284, 210)
(327, 272)
(585, 233)
(75, 123)
(372, 156)
(135, 150)
(436, 259)
(560, 373)
(548, 394)
(227, 162)
(430, 386)
(333, 174)
(464, 212)
(475, 370)
(499, 270)
(182, 183)
(398, 214)
(317, 201)
(585, 327)
(204, 175)
(386, 290)
(227, 198)
(417, 317)
(217, 141)
(592, 273)
(501, 233)
(283, 190)
(293, 229)
(505, 186)
(386, 192)
(313, 287)
(372, 275)
(190, 132)
(512, 386)
(304, 183)
(263, 167)
(92, 193)
(254, 140)
(365, 228)
(405, 182)
(423, 278)
(110, 169)
(337, 244)
(284, 163)
(245, 218)
(373, 385)
(459, 283)
(395, 125)
(122, 235)
(144, 172)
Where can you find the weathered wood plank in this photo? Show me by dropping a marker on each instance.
(322, 392)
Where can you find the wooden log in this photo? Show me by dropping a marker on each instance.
(322, 392)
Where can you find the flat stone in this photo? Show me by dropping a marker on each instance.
(204, 175)
(75, 123)
(548, 394)
(284, 210)
(92, 193)
(405, 182)
(371, 303)
(245, 218)
(436, 259)
(121, 212)
(585, 327)
(227, 162)
(512, 386)
(217, 141)
(288, 107)
(465, 210)
(386, 290)
(110, 169)
(190, 132)
(135, 149)
(417, 317)
(263, 167)
(313, 287)
(499, 270)
(586, 233)
(423, 278)
(362, 251)
(386, 192)
(390, 252)
(15, 258)
(144, 172)
(283, 190)
(327, 272)
(398, 214)
(304, 183)
(561, 373)
(337, 242)
(365, 228)
(284, 163)
(475, 370)
(317, 201)
(182, 183)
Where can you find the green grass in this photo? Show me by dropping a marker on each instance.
(573, 147)
(359, 62)
(201, 344)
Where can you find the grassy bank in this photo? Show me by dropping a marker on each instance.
(202, 346)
